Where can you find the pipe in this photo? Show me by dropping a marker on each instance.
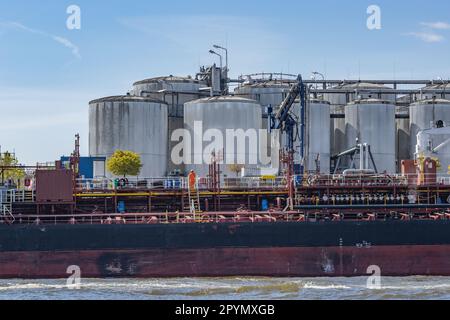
(366, 156)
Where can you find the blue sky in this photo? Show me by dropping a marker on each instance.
(49, 73)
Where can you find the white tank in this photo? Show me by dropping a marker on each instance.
(317, 137)
(372, 121)
(222, 113)
(435, 86)
(424, 115)
(435, 143)
(267, 93)
(338, 101)
(130, 123)
(175, 91)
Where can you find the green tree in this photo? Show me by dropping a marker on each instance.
(7, 171)
(236, 168)
(124, 163)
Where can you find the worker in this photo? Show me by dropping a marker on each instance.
(192, 177)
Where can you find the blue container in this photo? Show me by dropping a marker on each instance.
(298, 180)
(121, 206)
(265, 205)
(177, 184)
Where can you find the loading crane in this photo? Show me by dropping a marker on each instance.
(286, 123)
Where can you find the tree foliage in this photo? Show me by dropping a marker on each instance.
(7, 159)
(236, 168)
(124, 163)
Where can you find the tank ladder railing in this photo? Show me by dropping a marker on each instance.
(6, 211)
(6, 206)
(14, 196)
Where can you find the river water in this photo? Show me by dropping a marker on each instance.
(228, 288)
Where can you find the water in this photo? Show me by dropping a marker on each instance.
(228, 288)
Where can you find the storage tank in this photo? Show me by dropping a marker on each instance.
(338, 101)
(267, 93)
(317, 136)
(435, 86)
(435, 144)
(222, 113)
(175, 91)
(424, 115)
(372, 121)
(130, 123)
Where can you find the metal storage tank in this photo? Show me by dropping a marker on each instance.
(435, 144)
(338, 101)
(442, 85)
(317, 135)
(222, 113)
(267, 93)
(402, 140)
(372, 121)
(175, 91)
(131, 123)
(424, 115)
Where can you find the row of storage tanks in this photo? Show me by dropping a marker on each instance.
(144, 120)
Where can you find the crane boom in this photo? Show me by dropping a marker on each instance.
(283, 120)
(284, 108)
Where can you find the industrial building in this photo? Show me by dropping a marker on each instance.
(385, 115)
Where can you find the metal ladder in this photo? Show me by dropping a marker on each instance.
(194, 201)
(6, 211)
(6, 206)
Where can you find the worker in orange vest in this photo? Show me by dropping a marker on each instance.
(192, 177)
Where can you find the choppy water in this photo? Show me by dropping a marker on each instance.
(229, 288)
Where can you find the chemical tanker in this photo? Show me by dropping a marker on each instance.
(334, 226)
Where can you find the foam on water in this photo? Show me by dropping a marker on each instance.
(229, 288)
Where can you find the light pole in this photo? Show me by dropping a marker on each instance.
(226, 56)
(315, 74)
(220, 56)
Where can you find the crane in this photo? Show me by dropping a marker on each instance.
(285, 122)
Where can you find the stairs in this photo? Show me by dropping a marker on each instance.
(194, 201)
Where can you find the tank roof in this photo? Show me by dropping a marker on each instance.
(370, 101)
(314, 101)
(127, 98)
(223, 99)
(443, 85)
(268, 84)
(432, 101)
(363, 85)
(168, 79)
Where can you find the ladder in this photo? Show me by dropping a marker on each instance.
(6, 211)
(194, 201)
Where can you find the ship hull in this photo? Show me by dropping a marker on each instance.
(288, 249)
(270, 262)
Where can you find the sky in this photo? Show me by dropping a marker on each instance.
(49, 73)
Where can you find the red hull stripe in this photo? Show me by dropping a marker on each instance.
(276, 262)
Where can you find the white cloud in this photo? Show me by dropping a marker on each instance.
(68, 44)
(63, 41)
(437, 25)
(427, 36)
